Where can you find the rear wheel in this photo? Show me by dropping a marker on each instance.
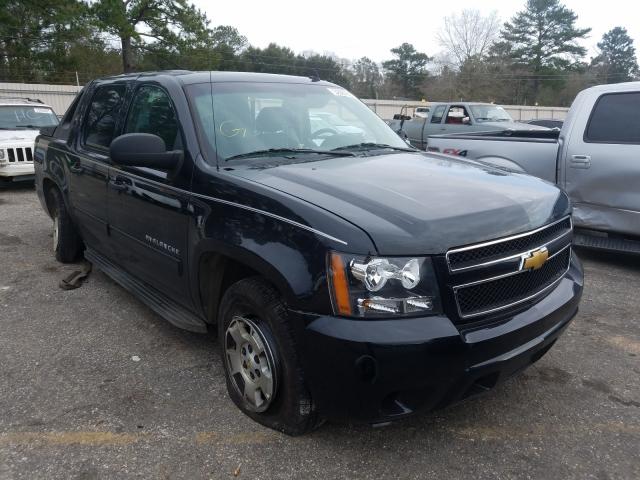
(66, 243)
(264, 378)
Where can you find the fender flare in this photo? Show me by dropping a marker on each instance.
(224, 252)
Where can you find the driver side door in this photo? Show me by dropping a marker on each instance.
(454, 120)
(148, 208)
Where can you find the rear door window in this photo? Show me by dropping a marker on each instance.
(63, 129)
(102, 116)
(438, 113)
(615, 119)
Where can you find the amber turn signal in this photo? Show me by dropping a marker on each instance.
(340, 285)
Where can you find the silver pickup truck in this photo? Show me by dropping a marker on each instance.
(595, 158)
(455, 117)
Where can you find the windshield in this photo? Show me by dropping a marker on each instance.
(240, 118)
(490, 113)
(26, 117)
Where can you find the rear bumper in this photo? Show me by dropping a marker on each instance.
(378, 371)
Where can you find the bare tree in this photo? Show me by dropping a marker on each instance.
(468, 35)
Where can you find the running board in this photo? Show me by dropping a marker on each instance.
(581, 239)
(156, 301)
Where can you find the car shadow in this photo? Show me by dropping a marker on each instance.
(623, 260)
(7, 186)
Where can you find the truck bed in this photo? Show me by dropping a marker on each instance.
(530, 151)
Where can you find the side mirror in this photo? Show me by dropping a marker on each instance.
(143, 150)
(48, 131)
(466, 120)
(404, 118)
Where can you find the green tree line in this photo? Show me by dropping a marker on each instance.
(533, 58)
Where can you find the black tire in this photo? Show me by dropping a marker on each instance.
(291, 410)
(67, 244)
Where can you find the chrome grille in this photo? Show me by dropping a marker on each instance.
(477, 255)
(513, 289)
(490, 277)
(24, 154)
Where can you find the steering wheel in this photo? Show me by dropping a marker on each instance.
(323, 132)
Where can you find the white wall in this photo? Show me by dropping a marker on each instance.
(387, 108)
(57, 96)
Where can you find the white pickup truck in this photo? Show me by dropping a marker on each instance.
(20, 122)
(595, 158)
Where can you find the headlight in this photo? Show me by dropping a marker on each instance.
(382, 287)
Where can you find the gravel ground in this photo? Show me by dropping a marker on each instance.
(94, 385)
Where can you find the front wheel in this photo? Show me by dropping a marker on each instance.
(67, 245)
(263, 375)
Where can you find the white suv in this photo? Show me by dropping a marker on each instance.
(20, 122)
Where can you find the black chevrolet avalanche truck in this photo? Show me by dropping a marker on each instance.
(348, 275)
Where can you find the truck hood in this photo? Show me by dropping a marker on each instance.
(18, 136)
(414, 203)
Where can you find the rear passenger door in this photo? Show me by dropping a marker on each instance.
(88, 163)
(148, 209)
(602, 164)
(432, 125)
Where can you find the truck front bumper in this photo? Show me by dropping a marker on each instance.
(17, 170)
(382, 370)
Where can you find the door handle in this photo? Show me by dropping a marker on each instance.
(118, 185)
(580, 161)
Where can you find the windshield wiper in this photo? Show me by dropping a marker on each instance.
(258, 153)
(371, 146)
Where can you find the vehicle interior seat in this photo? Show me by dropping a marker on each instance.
(234, 126)
(276, 127)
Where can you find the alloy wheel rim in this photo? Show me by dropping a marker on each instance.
(250, 363)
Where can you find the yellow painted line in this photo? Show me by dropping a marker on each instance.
(97, 439)
(71, 438)
(249, 438)
(501, 432)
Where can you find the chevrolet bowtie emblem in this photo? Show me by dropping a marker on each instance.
(535, 259)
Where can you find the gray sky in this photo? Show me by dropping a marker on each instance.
(356, 29)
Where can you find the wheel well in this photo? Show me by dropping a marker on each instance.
(216, 274)
(47, 186)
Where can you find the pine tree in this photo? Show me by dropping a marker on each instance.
(616, 61)
(157, 26)
(544, 37)
(408, 69)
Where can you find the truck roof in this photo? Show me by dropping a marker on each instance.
(189, 77)
(19, 101)
(615, 87)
